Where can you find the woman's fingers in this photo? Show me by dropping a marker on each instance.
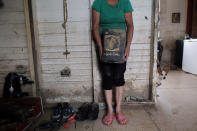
(126, 56)
(127, 51)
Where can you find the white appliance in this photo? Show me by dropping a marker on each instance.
(189, 63)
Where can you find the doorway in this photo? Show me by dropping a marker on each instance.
(192, 19)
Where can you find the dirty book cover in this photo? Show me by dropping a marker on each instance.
(114, 45)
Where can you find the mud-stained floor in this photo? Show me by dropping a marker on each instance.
(175, 110)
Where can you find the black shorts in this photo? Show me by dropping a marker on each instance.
(112, 74)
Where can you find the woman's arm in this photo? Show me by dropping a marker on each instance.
(130, 28)
(95, 23)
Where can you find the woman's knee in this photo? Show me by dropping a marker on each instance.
(119, 80)
(107, 81)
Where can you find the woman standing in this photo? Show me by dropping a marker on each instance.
(113, 14)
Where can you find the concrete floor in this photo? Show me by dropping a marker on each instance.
(175, 109)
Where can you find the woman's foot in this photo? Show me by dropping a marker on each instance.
(108, 119)
(121, 119)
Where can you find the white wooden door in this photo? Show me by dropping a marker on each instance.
(80, 85)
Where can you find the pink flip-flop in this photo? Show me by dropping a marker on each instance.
(108, 119)
(121, 119)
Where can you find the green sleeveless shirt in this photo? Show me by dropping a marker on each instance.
(112, 17)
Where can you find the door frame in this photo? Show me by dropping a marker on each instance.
(189, 17)
(34, 50)
(32, 41)
(29, 45)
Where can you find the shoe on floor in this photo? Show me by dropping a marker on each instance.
(67, 111)
(108, 119)
(56, 116)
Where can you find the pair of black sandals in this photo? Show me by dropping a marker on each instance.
(88, 111)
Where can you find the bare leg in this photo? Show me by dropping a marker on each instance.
(119, 94)
(119, 116)
(108, 97)
(108, 119)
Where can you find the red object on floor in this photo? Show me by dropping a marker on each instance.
(72, 119)
(66, 125)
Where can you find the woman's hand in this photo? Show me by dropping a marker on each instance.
(127, 52)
